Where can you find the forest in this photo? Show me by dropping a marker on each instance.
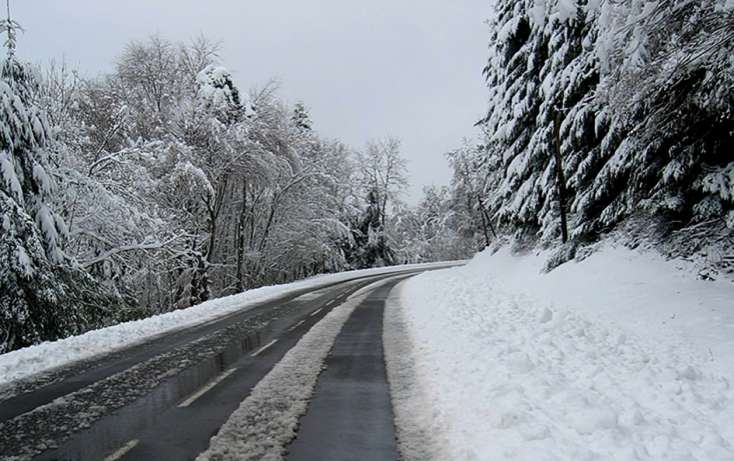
(162, 184)
(608, 115)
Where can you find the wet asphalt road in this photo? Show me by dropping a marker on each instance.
(164, 399)
(350, 416)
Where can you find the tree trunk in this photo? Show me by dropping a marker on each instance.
(485, 216)
(241, 239)
(213, 209)
(560, 179)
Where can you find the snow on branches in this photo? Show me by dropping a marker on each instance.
(644, 96)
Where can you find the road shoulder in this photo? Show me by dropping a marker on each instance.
(417, 439)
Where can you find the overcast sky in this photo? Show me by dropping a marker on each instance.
(367, 69)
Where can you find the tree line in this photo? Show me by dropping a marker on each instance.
(162, 184)
(606, 116)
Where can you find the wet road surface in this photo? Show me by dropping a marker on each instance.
(164, 399)
(350, 416)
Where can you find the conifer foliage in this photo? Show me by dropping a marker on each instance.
(41, 292)
(637, 95)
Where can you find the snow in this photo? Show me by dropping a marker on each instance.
(186, 173)
(9, 176)
(42, 179)
(566, 9)
(46, 356)
(538, 11)
(720, 182)
(623, 355)
(213, 86)
(266, 421)
(508, 29)
(415, 436)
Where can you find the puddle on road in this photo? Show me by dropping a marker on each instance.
(114, 430)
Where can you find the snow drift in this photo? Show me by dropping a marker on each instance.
(620, 356)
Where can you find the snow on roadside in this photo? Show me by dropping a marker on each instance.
(418, 439)
(266, 420)
(621, 356)
(46, 356)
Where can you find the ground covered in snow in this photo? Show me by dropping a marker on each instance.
(620, 356)
(43, 357)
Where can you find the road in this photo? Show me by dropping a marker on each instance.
(164, 399)
(350, 415)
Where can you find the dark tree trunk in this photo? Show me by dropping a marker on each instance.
(241, 239)
(560, 178)
(486, 221)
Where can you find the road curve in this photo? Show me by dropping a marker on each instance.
(163, 399)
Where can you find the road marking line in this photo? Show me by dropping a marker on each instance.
(123, 450)
(209, 386)
(316, 312)
(257, 352)
(296, 325)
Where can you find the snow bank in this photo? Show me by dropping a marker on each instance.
(417, 440)
(621, 356)
(266, 420)
(43, 357)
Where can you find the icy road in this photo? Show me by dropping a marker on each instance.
(233, 387)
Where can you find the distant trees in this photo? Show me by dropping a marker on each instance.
(468, 187)
(174, 187)
(381, 176)
(228, 189)
(435, 229)
(162, 185)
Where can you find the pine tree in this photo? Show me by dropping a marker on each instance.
(540, 69)
(301, 118)
(670, 79)
(643, 96)
(41, 293)
(370, 237)
(219, 95)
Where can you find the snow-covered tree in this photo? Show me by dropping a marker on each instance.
(469, 184)
(669, 78)
(433, 230)
(301, 118)
(175, 188)
(541, 74)
(43, 295)
(638, 97)
(381, 178)
(383, 172)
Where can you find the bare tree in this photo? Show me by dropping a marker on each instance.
(384, 172)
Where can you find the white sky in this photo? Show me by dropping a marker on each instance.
(367, 69)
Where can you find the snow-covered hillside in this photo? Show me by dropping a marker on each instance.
(621, 356)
